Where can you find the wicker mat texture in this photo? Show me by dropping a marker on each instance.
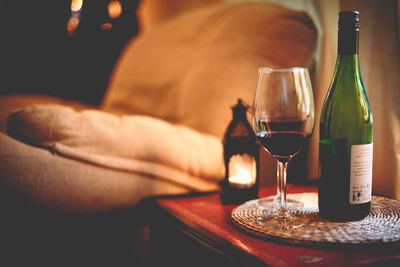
(381, 226)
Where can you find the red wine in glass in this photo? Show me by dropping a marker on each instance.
(280, 140)
(283, 145)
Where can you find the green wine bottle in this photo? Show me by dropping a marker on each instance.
(345, 146)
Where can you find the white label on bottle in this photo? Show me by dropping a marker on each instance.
(361, 174)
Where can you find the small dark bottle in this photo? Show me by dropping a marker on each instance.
(345, 146)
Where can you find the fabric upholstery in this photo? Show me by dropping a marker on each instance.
(58, 211)
(12, 103)
(133, 143)
(192, 68)
(73, 186)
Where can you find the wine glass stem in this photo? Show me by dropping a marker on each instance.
(278, 183)
(282, 187)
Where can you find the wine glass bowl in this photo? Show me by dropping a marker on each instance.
(283, 120)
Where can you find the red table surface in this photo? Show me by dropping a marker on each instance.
(208, 212)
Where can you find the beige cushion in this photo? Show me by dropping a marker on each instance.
(70, 185)
(12, 103)
(135, 143)
(192, 69)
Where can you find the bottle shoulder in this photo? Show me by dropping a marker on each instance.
(346, 112)
(347, 96)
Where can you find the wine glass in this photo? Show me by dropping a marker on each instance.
(283, 120)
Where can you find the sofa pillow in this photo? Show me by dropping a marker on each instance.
(193, 68)
(134, 143)
(12, 103)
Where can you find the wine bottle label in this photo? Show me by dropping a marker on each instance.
(361, 174)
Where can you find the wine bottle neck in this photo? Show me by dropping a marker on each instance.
(348, 41)
(349, 65)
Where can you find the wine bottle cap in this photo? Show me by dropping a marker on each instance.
(349, 20)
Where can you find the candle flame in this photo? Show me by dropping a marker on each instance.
(243, 173)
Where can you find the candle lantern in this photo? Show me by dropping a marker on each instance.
(241, 153)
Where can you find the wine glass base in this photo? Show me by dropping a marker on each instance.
(273, 204)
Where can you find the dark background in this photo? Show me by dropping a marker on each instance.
(37, 55)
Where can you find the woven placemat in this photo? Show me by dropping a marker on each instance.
(381, 226)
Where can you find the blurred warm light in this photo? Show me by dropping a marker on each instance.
(72, 24)
(76, 5)
(114, 9)
(106, 26)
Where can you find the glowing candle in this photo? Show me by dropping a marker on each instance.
(242, 171)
